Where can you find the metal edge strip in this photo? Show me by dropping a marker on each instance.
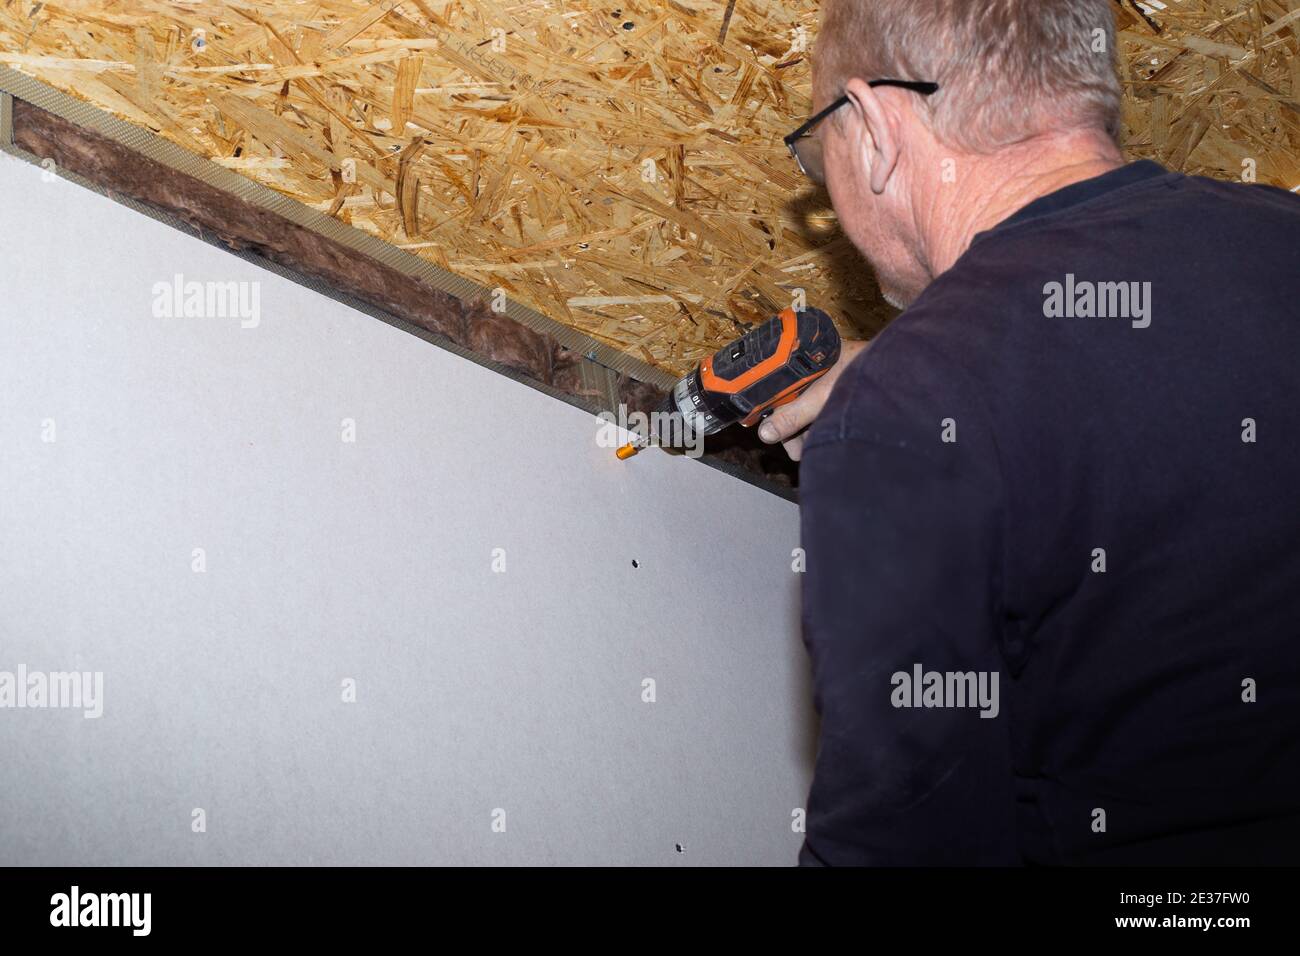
(6, 120)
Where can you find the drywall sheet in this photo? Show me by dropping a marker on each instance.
(348, 598)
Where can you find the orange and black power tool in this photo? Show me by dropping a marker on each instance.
(750, 378)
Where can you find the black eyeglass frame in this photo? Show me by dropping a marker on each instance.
(923, 87)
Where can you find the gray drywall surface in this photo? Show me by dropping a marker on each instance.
(129, 441)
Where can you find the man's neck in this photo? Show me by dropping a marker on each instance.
(995, 187)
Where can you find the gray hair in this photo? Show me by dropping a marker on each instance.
(1007, 70)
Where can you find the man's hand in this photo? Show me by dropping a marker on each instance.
(789, 422)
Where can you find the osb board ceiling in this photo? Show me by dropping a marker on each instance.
(616, 166)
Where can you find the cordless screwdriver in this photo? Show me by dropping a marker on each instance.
(750, 378)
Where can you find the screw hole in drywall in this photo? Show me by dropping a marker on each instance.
(680, 848)
(636, 563)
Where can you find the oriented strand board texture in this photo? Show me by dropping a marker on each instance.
(611, 165)
(616, 166)
(1213, 87)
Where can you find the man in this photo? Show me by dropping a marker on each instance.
(1052, 513)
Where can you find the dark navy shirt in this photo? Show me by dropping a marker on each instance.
(1090, 493)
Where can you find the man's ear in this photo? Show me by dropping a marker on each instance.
(880, 121)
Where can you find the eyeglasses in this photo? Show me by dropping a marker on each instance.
(807, 148)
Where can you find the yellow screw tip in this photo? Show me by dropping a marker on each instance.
(626, 452)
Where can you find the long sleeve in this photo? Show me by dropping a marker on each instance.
(901, 535)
